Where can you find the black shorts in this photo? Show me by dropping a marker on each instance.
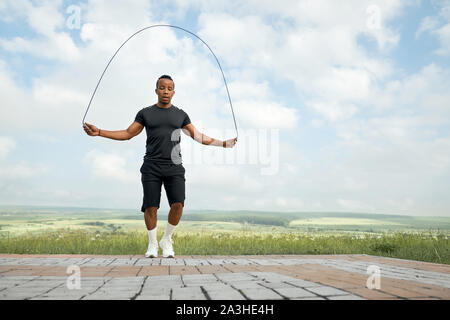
(154, 175)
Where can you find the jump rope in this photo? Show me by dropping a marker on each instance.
(168, 26)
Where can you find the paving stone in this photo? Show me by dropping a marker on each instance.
(163, 281)
(126, 281)
(261, 294)
(21, 294)
(244, 262)
(196, 262)
(173, 262)
(327, 291)
(303, 283)
(38, 286)
(98, 262)
(265, 262)
(245, 285)
(272, 277)
(152, 291)
(188, 293)
(262, 275)
(148, 262)
(290, 262)
(276, 285)
(295, 293)
(198, 279)
(123, 262)
(63, 297)
(143, 262)
(215, 262)
(163, 284)
(346, 297)
(216, 286)
(193, 277)
(153, 297)
(175, 277)
(15, 296)
(106, 294)
(232, 277)
(227, 293)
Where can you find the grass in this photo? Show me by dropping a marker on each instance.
(53, 230)
(430, 247)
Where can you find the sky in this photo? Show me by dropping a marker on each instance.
(340, 106)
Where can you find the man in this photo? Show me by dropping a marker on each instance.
(162, 161)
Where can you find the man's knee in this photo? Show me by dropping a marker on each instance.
(177, 206)
(151, 211)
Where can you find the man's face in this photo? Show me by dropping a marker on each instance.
(165, 91)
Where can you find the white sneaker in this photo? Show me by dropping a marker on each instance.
(166, 246)
(152, 251)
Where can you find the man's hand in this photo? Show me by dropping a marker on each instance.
(230, 143)
(90, 129)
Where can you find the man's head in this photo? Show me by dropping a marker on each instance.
(165, 89)
(165, 76)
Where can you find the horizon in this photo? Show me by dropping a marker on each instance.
(187, 211)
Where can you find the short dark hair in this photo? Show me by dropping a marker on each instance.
(164, 76)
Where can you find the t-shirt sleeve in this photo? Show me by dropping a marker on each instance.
(186, 120)
(140, 117)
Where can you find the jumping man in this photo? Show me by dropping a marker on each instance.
(162, 162)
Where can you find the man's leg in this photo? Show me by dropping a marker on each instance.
(176, 210)
(150, 217)
(174, 183)
(151, 183)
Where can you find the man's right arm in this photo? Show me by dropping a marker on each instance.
(133, 130)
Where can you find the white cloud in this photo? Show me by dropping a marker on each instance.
(265, 114)
(6, 145)
(353, 184)
(438, 25)
(60, 47)
(427, 24)
(333, 110)
(444, 38)
(109, 166)
(45, 19)
(21, 170)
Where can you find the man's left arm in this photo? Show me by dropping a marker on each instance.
(191, 130)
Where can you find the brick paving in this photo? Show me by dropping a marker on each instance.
(270, 277)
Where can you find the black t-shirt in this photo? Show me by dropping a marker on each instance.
(163, 127)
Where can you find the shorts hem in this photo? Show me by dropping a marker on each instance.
(143, 208)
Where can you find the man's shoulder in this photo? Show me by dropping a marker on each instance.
(178, 109)
(146, 109)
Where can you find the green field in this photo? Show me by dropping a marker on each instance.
(51, 230)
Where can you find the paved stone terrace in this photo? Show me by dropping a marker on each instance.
(326, 277)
